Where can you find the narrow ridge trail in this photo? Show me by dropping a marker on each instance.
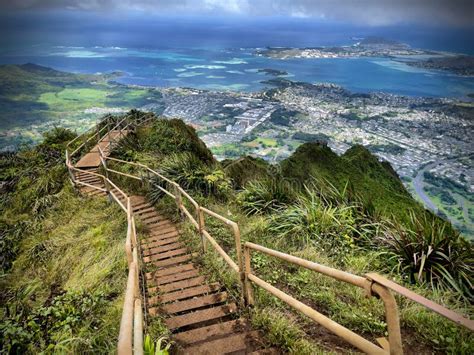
(200, 314)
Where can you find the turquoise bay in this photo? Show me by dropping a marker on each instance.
(238, 69)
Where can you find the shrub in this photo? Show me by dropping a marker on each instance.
(191, 173)
(49, 324)
(311, 219)
(430, 252)
(174, 136)
(265, 196)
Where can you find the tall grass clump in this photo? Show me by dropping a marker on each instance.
(429, 251)
(193, 174)
(63, 293)
(30, 182)
(314, 220)
(265, 196)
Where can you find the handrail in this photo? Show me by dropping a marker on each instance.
(197, 221)
(132, 316)
(391, 309)
(433, 306)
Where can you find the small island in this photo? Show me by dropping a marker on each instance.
(273, 72)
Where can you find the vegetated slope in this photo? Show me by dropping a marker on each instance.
(323, 221)
(31, 94)
(32, 79)
(357, 170)
(63, 264)
(22, 85)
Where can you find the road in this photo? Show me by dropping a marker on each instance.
(418, 184)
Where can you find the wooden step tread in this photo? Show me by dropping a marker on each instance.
(148, 241)
(154, 219)
(169, 271)
(141, 206)
(180, 285)
(96, 193)
(267, 351)
(91, 180)
(172, 261)
(152, 226)
(147, 214)
(228, 344)
(165, 255)
(144, 211)
(171, 240)
(159, 281)
(162, 248)
(194, 303)
(187, 293)
(155, 236)
(158, 231)
(200, 316)
(215, 330)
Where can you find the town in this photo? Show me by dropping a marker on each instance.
(418, 136)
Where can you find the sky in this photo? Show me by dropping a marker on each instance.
(449, 13)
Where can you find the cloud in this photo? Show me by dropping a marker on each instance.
(366, 12)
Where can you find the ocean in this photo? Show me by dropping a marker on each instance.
(218, 54)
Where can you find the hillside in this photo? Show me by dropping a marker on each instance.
(298, 207)
(358, 171)
(63, 269)
(35, 98)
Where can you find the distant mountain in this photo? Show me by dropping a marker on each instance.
(30, 80)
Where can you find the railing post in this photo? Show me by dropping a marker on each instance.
(238, 251)
(104, 162)
(179, 199)
(202, 226)
(247, 289)
(392, 318)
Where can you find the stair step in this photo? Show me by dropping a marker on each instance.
(162, 248)
(161, 237)
(173, 261)
(267, 351)
(154, 219)
(200, 316)
(157, 231)
(165, 255)
(231, 343)
(97, 193)
(141, 206)
(154, 244)
(169, 271)
(89, 180)
(158, 281)
(160, 224)
(183, 294)
(118, 194)
(148, 214)
(180, 285)
(214, 330)
(194, 303)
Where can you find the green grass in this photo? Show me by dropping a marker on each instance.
(77, 249)
(269, 142)
(336, 225)
(40, 96)
(72, 99)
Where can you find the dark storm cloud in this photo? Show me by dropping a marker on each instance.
(371, 12)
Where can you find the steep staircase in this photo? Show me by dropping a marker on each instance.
(200, 314)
